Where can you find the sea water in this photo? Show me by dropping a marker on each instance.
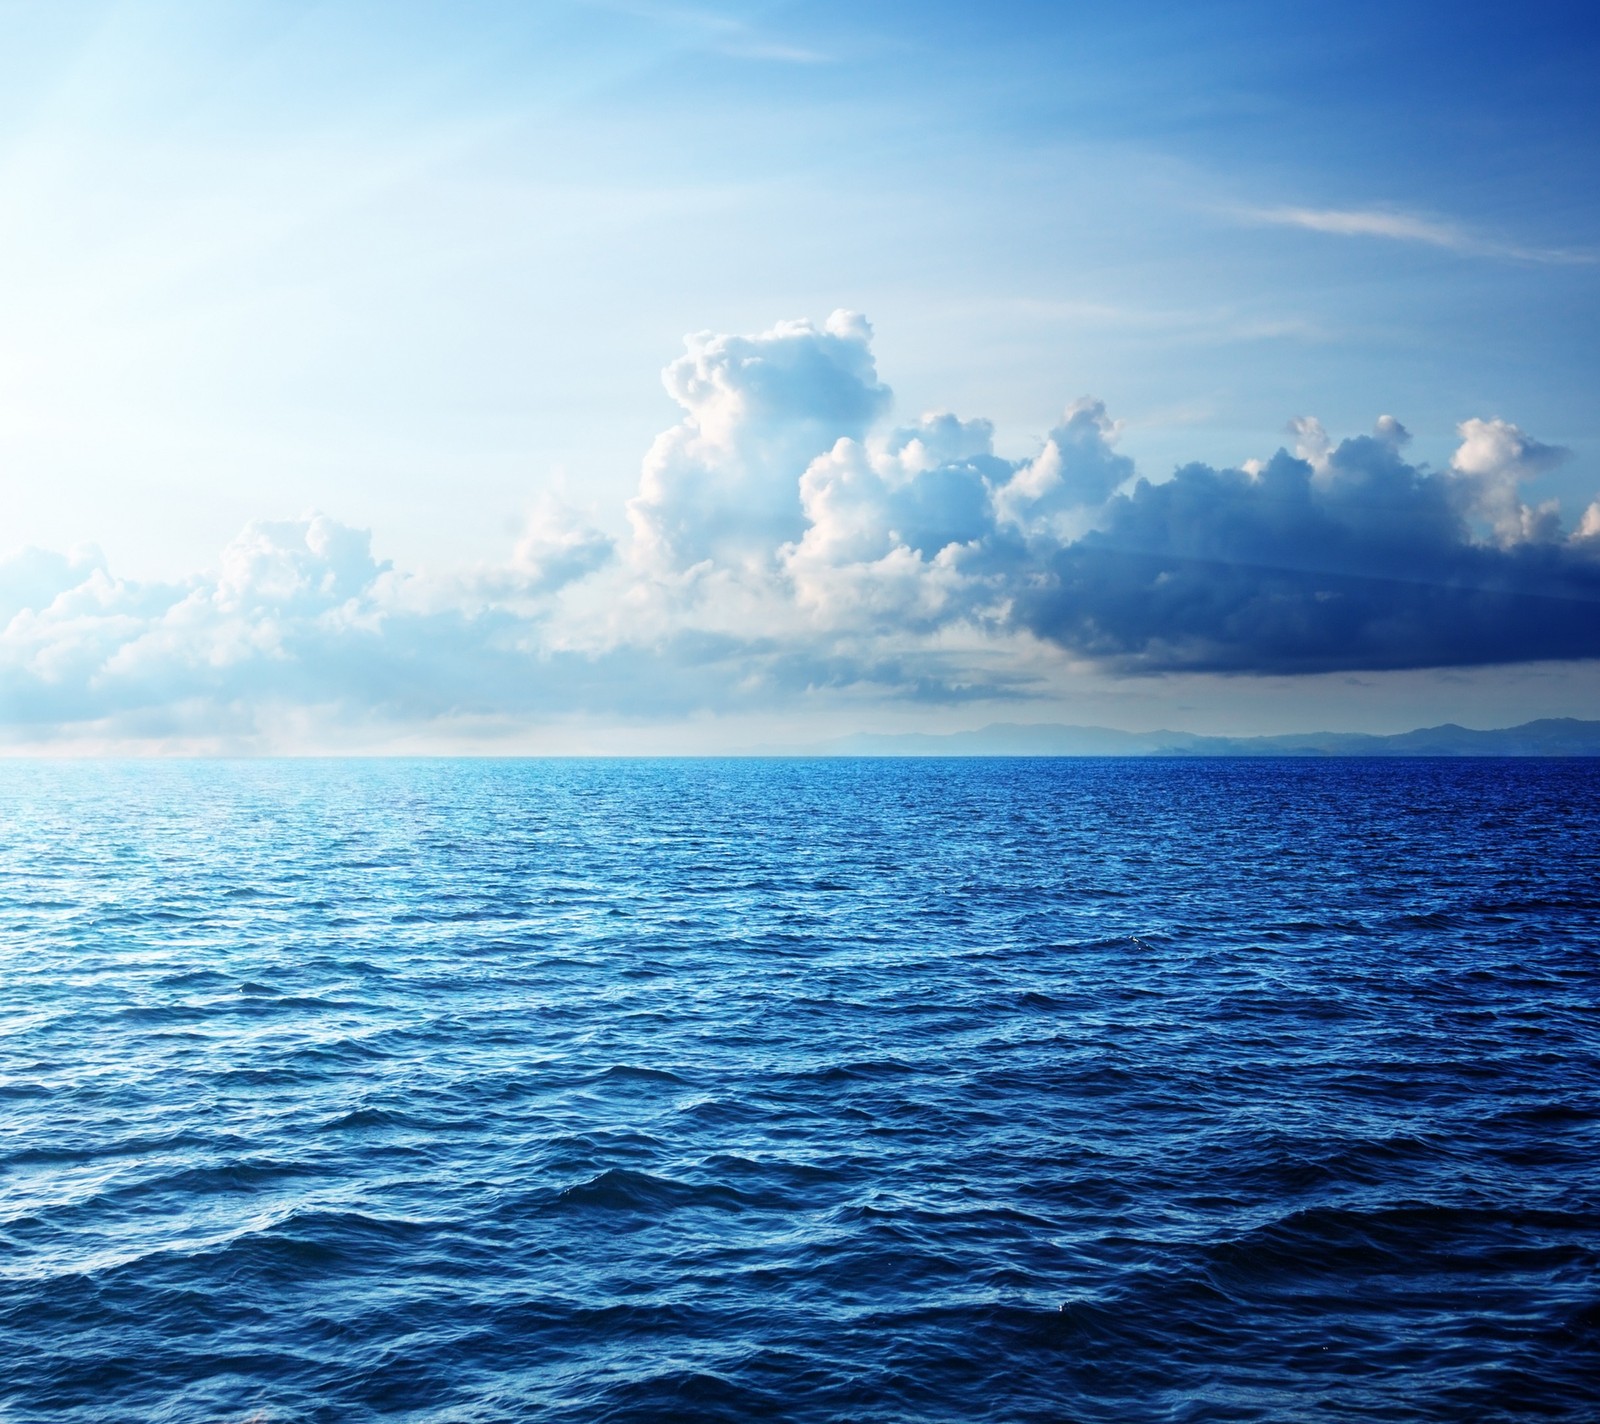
(799, 1090)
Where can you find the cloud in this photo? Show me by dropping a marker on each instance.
(558, 547)
(723, 484)
(1342, 557)
(786, 544)
(1408, 227)
(1367, 563)
(297, 614)
(33, 578)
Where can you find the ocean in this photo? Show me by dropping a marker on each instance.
(870, 1090)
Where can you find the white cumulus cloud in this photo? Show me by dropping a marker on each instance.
(786, 541)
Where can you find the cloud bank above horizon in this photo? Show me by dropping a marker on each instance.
(786, 541)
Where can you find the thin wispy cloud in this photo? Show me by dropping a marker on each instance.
(1409, 227)
(772, 51)
(722, 34)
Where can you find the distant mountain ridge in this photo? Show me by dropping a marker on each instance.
(1549, 736)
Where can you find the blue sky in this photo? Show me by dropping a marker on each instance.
(410, 275)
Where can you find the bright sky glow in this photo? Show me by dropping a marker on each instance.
(390, 287)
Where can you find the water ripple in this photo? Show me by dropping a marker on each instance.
(628, 1091)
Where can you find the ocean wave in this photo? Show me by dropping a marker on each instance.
(991, 1092)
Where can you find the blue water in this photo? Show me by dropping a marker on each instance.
(837, 1090)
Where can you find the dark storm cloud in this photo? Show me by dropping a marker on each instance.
(1371, 563)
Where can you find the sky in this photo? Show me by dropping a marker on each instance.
(632, 377)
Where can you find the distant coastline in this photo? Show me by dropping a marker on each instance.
(1547, 737)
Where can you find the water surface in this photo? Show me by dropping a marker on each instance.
(818, 1090)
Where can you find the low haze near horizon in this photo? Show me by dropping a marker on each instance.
(630, 377)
